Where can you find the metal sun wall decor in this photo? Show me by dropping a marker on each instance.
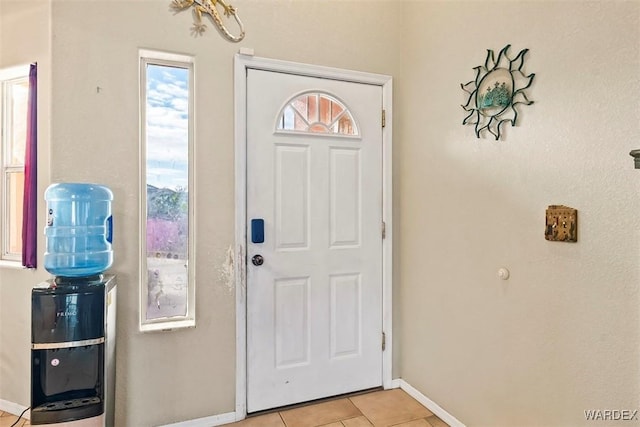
(208, 7)
(498, 87)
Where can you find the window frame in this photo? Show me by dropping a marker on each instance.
(8, 76)
(153, 57)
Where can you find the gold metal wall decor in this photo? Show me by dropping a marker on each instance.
(499, 86)
(208, 7)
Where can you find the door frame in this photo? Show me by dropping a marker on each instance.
(242, 63)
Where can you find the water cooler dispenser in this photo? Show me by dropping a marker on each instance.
(73, 351)
(73, 315)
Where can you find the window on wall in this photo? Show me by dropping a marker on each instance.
(14, 94)
(166, 149)
(318, 113)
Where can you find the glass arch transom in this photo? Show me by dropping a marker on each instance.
(317, 113)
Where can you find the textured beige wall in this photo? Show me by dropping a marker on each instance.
(562, 334)
(24, 38)
(174, 376)
(559, 337)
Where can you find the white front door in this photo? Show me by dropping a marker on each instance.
(314, 301)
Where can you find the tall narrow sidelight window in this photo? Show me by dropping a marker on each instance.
(14, 95)
(167, 267)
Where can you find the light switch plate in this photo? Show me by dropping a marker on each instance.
(561, 224)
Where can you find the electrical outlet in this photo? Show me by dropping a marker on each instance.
(561, 224)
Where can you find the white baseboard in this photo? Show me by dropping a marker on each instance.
(214, 420)
(14, 408)
(395, 383)
(428, 403)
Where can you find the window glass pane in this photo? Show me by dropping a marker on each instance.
(317, 113)
(300, 104)
(167, 166)
(288, 118)
(312, 102)
(336, 109)
(346, 125)
(17, 97)
(15, 190)
(299, 123)
(14, 91)
(325, 110)
(318, 128)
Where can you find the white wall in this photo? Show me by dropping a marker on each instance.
(20, 44)
(562, 334)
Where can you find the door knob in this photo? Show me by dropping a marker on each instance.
(257, 260)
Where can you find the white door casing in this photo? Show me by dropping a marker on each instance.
(316, 309)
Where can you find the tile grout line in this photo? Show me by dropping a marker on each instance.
(284, 423)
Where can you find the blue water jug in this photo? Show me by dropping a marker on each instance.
(79, 229)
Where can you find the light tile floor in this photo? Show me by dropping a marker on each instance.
(7, 420)
(379, 408)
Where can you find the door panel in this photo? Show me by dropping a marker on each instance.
(292, 321)
(292, 197)
(346, 314)
(314, 307)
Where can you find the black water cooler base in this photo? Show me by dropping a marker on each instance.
(73, 352)
(65, 411)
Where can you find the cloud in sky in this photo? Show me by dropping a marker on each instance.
(167, 116)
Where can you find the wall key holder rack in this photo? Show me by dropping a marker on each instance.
(561, 224)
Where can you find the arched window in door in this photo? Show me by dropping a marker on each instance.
(317, 113)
